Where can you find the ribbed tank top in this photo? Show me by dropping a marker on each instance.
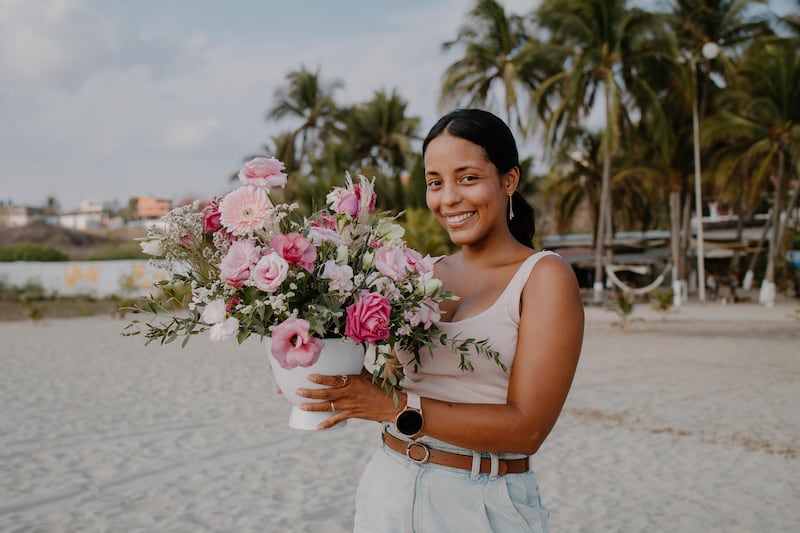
(439, 376)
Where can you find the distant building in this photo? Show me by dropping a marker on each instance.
(12, 216)
(149, 207)
(90, 215)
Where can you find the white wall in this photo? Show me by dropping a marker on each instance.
(98, 278)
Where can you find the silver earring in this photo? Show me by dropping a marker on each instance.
(510, 207)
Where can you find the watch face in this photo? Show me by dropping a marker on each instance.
(409, 422)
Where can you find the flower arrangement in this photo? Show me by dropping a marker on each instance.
(256, 267)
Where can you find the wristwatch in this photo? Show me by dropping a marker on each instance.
(410, 421)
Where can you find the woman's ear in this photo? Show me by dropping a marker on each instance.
(511, 180)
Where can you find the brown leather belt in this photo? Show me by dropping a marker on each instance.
(421, 453)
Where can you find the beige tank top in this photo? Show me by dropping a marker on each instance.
(439, 376)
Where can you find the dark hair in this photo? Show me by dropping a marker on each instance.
(493, 135)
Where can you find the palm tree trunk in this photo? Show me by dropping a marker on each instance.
(767, 293)
(675, 244)
(605, 205)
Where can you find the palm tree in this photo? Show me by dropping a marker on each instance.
(601, 38)
(761, 113)
(307, 98)
(381, 134)
(498, 54)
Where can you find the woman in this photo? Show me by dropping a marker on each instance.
(455, 452)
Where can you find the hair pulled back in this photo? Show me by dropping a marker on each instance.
(495, 138)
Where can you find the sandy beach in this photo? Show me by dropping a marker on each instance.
(686, 422)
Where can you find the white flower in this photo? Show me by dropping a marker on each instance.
(215, 312)
(152, 247)
(428, 285)
(388, 231)
(223, 331)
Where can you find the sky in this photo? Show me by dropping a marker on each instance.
(104, 100)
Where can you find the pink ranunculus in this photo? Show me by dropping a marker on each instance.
(391, 262)
(211, 217)
(368, 318)
(292, 344)
(234, 269)
(263, 172)
(295, 249)
(348, 205)
(245, 210)
(270, 271)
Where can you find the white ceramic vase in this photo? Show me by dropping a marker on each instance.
(339, 357)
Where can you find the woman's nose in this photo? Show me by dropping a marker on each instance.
(450, 194)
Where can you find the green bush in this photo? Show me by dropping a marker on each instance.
(424, 233)
(31, 252)
(121, 251)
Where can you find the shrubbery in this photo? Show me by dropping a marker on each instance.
(31, 252)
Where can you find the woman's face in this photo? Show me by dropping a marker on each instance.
(464, 190)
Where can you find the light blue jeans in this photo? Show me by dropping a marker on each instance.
(399, 495)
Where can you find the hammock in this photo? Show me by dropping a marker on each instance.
(611, 271)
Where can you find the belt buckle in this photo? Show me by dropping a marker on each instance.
(421, 445)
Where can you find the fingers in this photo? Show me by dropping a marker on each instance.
(332, 381)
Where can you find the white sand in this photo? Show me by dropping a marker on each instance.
(688, 423)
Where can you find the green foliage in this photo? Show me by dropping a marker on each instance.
(118, 252)
(661, 299)
(424, 233)
(623, 302)
(25, 251)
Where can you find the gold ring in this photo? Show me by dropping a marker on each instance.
(333, 408)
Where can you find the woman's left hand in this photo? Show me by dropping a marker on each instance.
(353, 396)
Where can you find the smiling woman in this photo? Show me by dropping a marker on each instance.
(455, 454)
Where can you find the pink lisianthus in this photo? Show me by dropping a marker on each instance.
(340, 276)
(368, 318)
(419, 263)
(222, 331)
(292, 345)
(295, 249)
(211, 217)
(427, 314)
(234, 269)
(391, 262)
(270, 271)
(317, 235)
(245, 210)
(348, 205)
(263, 172)
(366, 197)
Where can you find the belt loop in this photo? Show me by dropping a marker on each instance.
(495, 466)
(530, 463)
(476, 465)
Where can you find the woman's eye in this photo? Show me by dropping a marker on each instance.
(469, 178)
(433, 183)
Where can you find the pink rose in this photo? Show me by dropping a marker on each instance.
(235, 267)
(211, 217)
(263, 172)
(295, 249)
(269, 272)
(391, 262)
(368, 318)
(293, 346)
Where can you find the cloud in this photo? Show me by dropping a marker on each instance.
(188, 135)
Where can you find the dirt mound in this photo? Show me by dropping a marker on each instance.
(75, 243)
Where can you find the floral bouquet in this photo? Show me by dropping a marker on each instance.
(256, 267)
